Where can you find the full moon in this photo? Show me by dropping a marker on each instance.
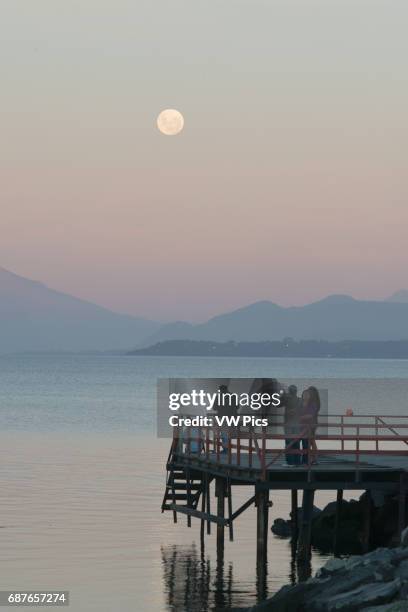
(170, 122)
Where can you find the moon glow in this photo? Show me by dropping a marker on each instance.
(170, 122)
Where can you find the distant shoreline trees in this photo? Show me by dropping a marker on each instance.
(288, 347)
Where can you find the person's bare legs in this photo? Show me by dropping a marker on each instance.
(313, 450)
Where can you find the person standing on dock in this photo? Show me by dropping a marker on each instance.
(228, 407)
(292, 404)
(309, 422)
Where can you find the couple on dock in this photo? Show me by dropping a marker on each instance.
(301, 421)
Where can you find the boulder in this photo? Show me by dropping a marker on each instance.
(396, 606)
(404, 537)
(349, 529)
(355, 599)
(282, 528)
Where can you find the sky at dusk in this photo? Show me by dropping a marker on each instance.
(288, 182)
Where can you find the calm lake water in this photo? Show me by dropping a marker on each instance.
(82, 479)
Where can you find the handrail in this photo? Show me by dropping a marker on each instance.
(249, 440)
(391, 429)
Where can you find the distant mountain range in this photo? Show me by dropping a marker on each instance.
(36, 318)
(335, 318)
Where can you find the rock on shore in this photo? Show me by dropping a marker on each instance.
(375, 582)
(351, 525)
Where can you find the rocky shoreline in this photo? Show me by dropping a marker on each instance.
(374, 582)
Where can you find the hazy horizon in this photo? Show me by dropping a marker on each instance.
(288, 182)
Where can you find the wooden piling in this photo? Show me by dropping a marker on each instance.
(208, 501)
(188, 481)
(339, 503)
(402, 506)
(294, 516)
(262, 511)
(368, 511)
(203, 504)
(305, 535)
(230, 524)
(220, 490)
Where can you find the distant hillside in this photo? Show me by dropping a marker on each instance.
(304, 348)
(36, 318)
(335, 318)
(399, 296)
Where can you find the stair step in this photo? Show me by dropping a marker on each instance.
(184, 479)
(169, 506)
(183, 486)
(182, 496)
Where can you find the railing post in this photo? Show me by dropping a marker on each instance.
(358, 454)
(263, 454)
(239, 445)
(189, 441)
(376, 434)
(342, 433)
(250, 446)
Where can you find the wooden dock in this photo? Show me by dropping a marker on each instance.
(362, 452)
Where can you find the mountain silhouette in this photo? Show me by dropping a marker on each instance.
(334, 318)
(36, 318)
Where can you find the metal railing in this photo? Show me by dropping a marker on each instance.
(337, 436)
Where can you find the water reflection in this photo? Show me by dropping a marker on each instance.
(194, 584)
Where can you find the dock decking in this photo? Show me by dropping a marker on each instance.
(366, 452)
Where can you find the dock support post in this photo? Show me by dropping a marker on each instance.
(339, 503)
(188, 474)
(203, 502)
(402, 506)
(305, 535)
(208, 500)
(367, 522)
(230, 524)
(262, 510)
(294, 516)
(220, 490)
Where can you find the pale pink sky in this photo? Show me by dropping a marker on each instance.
(287, 183)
